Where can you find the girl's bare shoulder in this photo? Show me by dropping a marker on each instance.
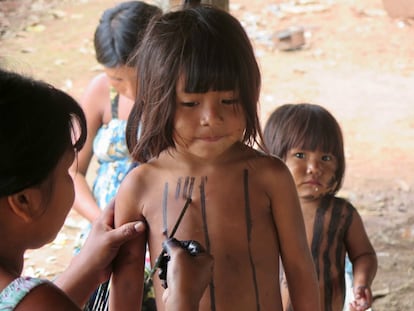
(265, 162)
(96, 99)
(100, 82)
(143, 178)
(270, 172)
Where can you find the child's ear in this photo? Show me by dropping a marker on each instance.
(24, 204)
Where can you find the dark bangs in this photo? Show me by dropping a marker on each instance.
(315, 132)
(318, 129)
(38, 124)
(210, 66)
(217, 55)
(207, 48)
(305, 126)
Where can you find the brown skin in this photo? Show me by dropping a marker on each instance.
(188, 276)
(93, 265)
(355, 242)
(32, 217)
(313, 173)
(277, 228)
(96, 105)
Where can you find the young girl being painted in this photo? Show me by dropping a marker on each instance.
(309, 139)
(196, 107)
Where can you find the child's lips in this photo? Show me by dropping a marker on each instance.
(313, 182)
(210, 138)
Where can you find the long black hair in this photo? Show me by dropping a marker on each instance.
(120, 30)
(38, 124)
(209, 48)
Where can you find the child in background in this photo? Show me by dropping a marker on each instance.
(196, 108)
(309, 139)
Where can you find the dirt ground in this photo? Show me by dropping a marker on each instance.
(357, 61)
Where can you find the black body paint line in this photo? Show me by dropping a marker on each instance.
(332, 235)
(318, 235)
(249, 233)
(178, 189)
(206, 237)
(346, 212)
(190, 188)
(164, 210)
(185, 188)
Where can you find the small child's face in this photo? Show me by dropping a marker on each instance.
(313, 172)
(124, 80)
(207, 124)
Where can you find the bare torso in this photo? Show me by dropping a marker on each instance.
(230, 215)
(327, 222)
(233, 214)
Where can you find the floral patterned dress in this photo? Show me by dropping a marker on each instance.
(11, 296)
(110, 149)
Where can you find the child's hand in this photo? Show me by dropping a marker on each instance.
(363, 299)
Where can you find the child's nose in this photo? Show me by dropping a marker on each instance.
(314, 167)
(211, 114)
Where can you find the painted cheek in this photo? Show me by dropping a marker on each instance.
(332, 182)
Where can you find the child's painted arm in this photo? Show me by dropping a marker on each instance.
(364, 263)
(295, 253)
(364, 269)
(93, 265)
(127, 281)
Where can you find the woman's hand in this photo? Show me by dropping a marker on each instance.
(187, 277)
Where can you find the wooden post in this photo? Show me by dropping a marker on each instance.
(171, 4)
(223, 4)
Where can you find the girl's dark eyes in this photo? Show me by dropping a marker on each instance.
(299, 155)
(233, 101)
(326, 158)
(189, 104)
